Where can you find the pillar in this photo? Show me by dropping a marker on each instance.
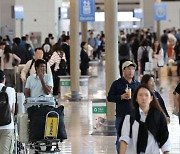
(84, 31)
(7, 22)
(111, 48)
(148, 14)
(74, 49)
(158, 25)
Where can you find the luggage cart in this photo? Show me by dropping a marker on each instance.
(48, 144)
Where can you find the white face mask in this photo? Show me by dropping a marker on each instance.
(1, 52)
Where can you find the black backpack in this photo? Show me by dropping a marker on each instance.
(47, 51)
(5, 111)
(62, 67)
(145, 54)
(123, 49)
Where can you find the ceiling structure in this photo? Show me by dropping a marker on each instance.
(123, 5)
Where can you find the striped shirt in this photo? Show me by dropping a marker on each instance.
(55, 59)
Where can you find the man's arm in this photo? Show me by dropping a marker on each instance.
(47, 89)
(49, 69)
(27, 92)
(25, 71)
(114, 96)
(177, 102)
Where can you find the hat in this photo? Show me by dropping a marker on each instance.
(2, 75)
(127, 64)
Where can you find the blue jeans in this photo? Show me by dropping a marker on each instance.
(118, 123)
(165, 49)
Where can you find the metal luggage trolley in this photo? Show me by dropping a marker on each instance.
(51, 125)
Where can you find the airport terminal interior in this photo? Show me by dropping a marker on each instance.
(85, 104)
(80, 127)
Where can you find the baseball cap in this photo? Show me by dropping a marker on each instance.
(127, 64)
(2, 75)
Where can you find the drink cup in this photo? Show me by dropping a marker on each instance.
(128, 91)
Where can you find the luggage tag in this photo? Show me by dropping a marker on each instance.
(51, 125)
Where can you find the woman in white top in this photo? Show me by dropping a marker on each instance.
(58, 66)
(7, 65)
(143, 55)
(157, 58)
(145, 130)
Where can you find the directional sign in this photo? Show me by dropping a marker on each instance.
(86, 10)
(18, 12)
(99, 109)
(160, 11)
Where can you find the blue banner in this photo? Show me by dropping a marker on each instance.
(18, 12)
(160, 11)
(86, 10)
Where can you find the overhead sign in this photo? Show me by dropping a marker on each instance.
(19, 12)
(86, 10)
(160, 11)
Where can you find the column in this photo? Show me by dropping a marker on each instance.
(7, 23)
(84, 31)
(148, 14)
(111, 48)
(74, 49)
(158, 26)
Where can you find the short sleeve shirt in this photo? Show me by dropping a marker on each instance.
(34, 84)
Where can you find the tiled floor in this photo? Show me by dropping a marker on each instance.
(79, 120)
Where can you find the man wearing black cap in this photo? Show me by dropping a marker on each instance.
(7, 131)
(120, 93)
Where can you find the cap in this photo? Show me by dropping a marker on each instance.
(2, 75)
(128, 63)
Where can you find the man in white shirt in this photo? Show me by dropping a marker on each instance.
(29, 68)
(7, 131)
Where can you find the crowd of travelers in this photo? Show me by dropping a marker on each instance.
(53, 59)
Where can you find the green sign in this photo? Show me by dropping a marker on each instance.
(65, 83)
(99, 109)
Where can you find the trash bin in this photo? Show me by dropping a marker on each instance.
(93, 68)
(99, 111)
(65, 87)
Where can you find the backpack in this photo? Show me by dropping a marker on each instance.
(5, 111)
(62, 67)
(47, 52)
(145, 54)
(32, 62)
(123, 49)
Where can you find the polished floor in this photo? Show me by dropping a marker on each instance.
(80, 124)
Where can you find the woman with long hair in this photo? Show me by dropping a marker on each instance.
(145, 129)
(143, 55)
(7, 65)
(157, 58)
(58, 66)
(148, 79)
